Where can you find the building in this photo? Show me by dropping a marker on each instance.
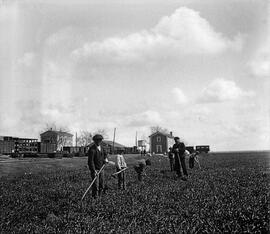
(160, 142)
(52, 141)
(9, 144)
(143, 145)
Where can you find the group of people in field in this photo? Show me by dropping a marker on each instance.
(97, 159)
(177, 155)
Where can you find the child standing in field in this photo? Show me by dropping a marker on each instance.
(140, 168)
(171, 158)
(192, 158)
(120, 164)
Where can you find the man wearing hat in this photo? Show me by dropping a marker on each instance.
(97, 157)
(179, 152)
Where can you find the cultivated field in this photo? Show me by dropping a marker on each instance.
(230, 194)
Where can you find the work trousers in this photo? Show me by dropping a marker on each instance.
(191, 162)
(180, 162)
(98, 185)
(121, 179)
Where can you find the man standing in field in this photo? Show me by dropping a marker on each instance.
(97, 157)
(179, 155)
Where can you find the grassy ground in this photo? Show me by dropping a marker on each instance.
(14, 167)
(230, 194)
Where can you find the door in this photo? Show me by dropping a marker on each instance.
(159, 148)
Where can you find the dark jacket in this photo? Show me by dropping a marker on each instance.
(181, 149)
(96, 158)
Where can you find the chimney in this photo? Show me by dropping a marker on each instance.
(171, 133)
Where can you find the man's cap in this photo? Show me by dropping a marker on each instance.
(97, 137)
(176, 138)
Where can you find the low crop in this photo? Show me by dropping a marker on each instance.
(230, 194)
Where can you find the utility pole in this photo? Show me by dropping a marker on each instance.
(76, 142)
(113, 139)
(136, 140)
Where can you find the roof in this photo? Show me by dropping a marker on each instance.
(110, 143)
(164, 134)
(6, 138)
(57, 132)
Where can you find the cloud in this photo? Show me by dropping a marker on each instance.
(220, 90)
(8, 11)
(27, 60)
(181, 98)
(146, 118)
(260, 65)
(184, 32)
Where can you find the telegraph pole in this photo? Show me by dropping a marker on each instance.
(136, 140)
(76, 142)
(113, 139)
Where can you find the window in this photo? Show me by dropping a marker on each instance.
(158, 139)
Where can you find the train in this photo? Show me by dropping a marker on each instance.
(28, 147)
(199, 148)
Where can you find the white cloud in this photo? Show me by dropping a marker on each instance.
(146, 118)
(220, 90)
(260, 65)
(181, 98)
(27, 60)
(184, 32)
(8, 11)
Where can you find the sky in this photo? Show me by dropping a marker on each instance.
(201, 69)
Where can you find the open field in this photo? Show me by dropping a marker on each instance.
(230, 194)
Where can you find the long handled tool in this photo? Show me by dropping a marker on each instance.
(118, 172)
(93, 181)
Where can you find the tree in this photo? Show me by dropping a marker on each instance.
(85, 138)
(102, 132)
(145, 138)
(159, 129)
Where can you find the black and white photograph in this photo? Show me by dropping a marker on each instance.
(134, 116)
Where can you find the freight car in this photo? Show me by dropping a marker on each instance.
(10, 145)
(203, 148)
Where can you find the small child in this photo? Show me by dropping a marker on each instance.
(120, 164)
(192, 158)
(140, 168)
(171, 157)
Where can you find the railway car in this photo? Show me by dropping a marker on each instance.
(203, 148)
